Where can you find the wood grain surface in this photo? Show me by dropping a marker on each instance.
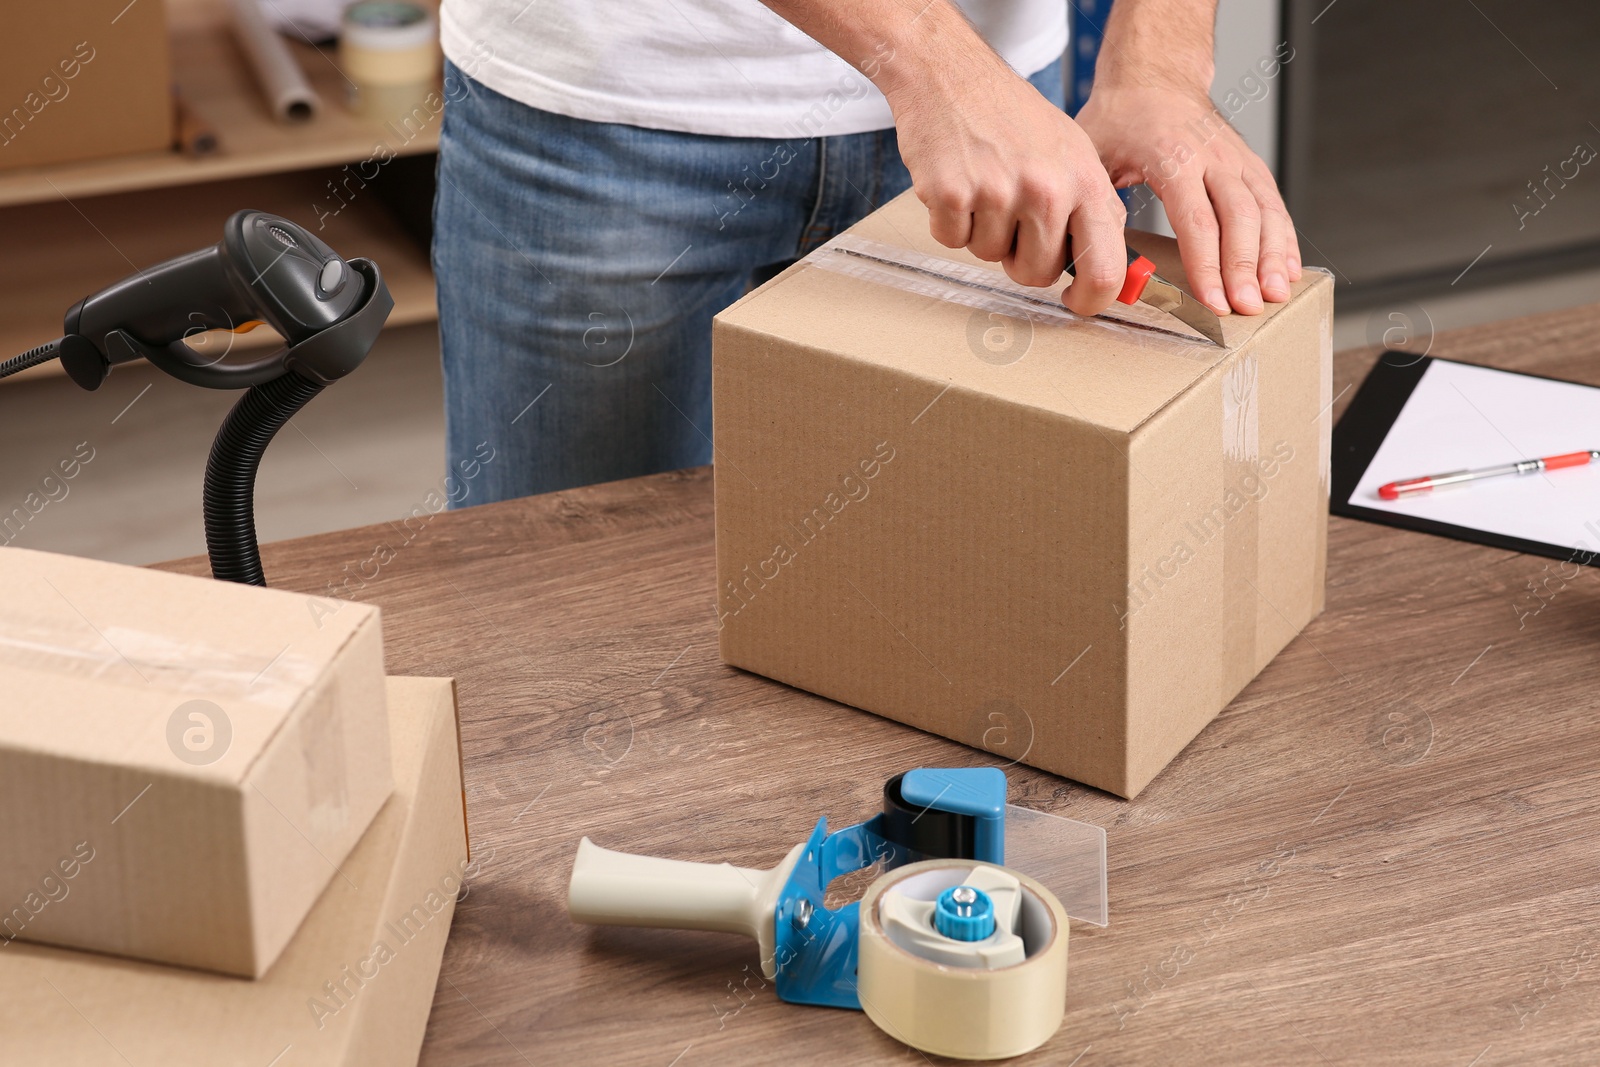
(1383, 852)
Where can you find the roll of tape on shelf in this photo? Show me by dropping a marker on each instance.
(389, 42)
(965, 999)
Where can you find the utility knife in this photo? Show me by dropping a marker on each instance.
(1143, 285)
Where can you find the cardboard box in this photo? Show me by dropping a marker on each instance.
(335, 997)
(191, 760)
(82, 80)
(1070, 544)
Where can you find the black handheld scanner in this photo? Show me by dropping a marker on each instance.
(265, 269)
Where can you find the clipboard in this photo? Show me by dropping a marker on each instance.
(1417, 415)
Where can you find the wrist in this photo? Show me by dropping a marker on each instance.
(1189, 75)
(936, 55)
(1162, 99)
(1159, 44)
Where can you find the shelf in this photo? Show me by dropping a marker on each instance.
(218, 86)
(54, 254)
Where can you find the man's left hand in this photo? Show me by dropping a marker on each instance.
(1234, 233)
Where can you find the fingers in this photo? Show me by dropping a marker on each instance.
(950, 223)
(1009, 177)
(994, 231)
(1026, 232)
(1265, 187)
(1238, 243)
(1199, 238)
(1277, 237)
(1040, 253)
(1239, 217)
(1235, 234)
(1100, 257)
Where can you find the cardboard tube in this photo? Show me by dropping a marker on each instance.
(964, 1012)
(290, 97)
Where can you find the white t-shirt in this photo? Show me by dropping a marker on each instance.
(728, 67)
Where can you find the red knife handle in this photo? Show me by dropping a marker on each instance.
(1140, 271)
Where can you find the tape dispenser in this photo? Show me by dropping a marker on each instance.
(949, 950)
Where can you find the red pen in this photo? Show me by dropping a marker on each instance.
(1395, 490)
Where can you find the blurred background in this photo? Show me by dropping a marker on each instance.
(1439, 157)
(1430, 152)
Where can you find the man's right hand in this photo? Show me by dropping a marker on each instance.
(1003, 172)
(1007, 175)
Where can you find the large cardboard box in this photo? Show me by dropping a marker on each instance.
(190, 760)
(1067, 543)
(353, 988)
(83, 79)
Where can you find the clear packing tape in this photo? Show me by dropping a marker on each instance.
(975, 1012)
(121, 655)
(966, 1011)
(990, 290)
(1065, 856)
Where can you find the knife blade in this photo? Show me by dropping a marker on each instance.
(1143, 285)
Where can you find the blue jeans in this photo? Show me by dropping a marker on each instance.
(579, 265)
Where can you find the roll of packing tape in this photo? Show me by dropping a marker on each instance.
(389, 49)
(974, 1000)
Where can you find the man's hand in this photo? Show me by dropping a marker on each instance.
(1007, 175)
(1233, 230)
(1002, 171)
(1150, 115)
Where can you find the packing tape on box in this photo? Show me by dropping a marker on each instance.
(127, 655)
(984, 1007)
(1241, 455)
(989, 290)
(1247, 459)
(1241, 564)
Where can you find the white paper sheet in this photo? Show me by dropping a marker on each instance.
(1462, 416)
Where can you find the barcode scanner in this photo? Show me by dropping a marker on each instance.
(265, 269)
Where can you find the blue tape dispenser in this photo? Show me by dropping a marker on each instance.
(910, 952)
(809, 950)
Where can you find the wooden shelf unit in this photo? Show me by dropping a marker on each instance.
(70, 229)
(217, 84)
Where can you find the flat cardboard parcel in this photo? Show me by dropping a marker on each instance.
(217, 749)
(353, 988)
